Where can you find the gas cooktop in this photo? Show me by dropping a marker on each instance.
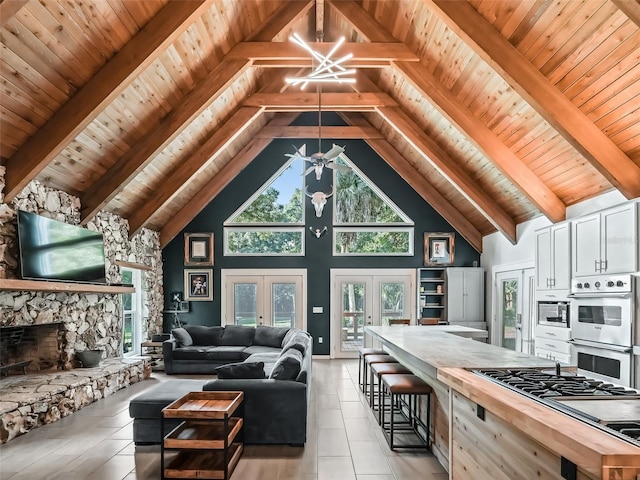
(580, 397)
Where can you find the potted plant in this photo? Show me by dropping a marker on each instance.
(89, 358)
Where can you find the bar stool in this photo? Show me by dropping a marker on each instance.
(370, 360)
(380, 369)
(405, 385)
(363, 352)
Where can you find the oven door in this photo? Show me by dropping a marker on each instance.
(602, 319)
(613, 365)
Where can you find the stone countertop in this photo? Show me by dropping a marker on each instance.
(445, 346)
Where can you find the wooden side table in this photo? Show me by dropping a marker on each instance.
(206, 439)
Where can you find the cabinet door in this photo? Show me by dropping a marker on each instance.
(585, 239)
(560, 257)
(543, 259)
(464, 295)
(619, 239)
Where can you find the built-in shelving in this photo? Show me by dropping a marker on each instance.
(16, 285)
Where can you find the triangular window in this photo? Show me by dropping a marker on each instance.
(358, 201)
(280, 201)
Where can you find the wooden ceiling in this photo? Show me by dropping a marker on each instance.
(494, 111)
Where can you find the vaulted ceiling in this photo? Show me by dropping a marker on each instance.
(494, 111)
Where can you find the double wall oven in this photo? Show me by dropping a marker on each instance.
(603, 311)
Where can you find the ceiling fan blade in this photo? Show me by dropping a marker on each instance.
(333, 153)
(337, 166)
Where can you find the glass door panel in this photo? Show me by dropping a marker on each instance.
(353, 301)
(392, 301)
(245, 304)
(508, 297)
(283, 301)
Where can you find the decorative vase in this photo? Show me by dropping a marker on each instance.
(89, 358)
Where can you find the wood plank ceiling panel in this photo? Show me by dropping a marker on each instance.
(154, 94)
(51, 49)
(426, 170)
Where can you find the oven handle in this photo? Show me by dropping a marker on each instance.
(599, 295)
(603, 346)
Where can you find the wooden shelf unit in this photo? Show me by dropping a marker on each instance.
(431, 304)
(206, 439)
(16, 285)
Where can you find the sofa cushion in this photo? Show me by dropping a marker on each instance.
(149, 404)
(203, 335)
(261, 349)
(241, 370)
(299, 340)
(182, 337)
(203, 353)
(270, 336)
(237, 335)
(287, 366)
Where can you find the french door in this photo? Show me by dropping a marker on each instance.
(360, 298)
(272, 298)
(515, 309)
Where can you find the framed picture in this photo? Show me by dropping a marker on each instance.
(198, 249)
(439, 249)
(198, 285)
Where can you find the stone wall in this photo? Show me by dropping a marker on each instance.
(90, 320)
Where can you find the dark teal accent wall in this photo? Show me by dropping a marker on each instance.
(318, 259)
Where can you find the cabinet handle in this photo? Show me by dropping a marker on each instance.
(595, 266)
(606, 264)
(551, 334)
(550, 346)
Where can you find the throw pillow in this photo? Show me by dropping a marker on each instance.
(237, 335)
(182, 337)
(300, 341)
(288, 365)
(270, 336)
(204, 335)
(241, 370)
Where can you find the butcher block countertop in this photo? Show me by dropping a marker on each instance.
(443, 354)
(598, 453)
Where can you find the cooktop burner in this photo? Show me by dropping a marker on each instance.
(545, 384)
(548, 386)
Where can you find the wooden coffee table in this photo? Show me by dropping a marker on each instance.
(206, 437)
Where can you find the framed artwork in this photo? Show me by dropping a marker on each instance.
(198, 285)
(439, 249)
(198, 249)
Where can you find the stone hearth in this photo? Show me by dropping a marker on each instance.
(28, 401)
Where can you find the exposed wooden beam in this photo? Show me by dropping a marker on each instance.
(482, 137)
(364, 24)
(448, 168)
(364, 54)
(138, 157)
(227, 173)
(205, 93)
(358, 132)
(631, 8)
(8, 8)
(420, 184)
(303, 101)
(142, 50)
(192, 166)
(281, 20)
(541, 94)
(371, 30)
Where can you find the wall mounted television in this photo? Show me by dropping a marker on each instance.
(57, 251)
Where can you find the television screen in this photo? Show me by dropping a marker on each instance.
(52, 250)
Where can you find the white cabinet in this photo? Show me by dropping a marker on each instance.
(606, 242)
(553, 266)
(552, 343)
(464, 294)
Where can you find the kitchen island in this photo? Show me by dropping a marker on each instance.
(483, 430)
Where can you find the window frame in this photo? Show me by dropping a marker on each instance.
(379, 229)
(300, 230)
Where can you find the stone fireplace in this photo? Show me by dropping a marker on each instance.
(32, 348)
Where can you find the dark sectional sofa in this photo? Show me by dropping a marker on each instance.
(275, 404)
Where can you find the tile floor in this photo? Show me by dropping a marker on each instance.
(344, 442)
